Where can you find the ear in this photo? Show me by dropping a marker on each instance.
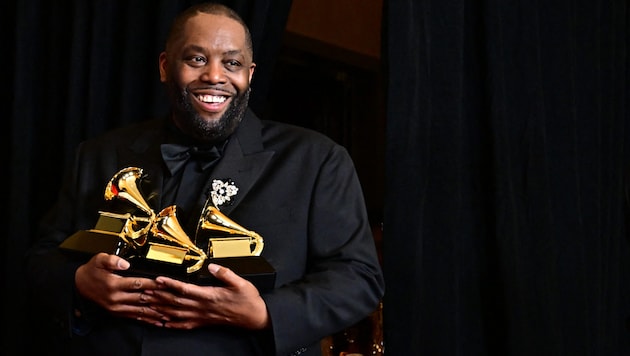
(251, 71)
(162, 63)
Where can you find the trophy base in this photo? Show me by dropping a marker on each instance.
(84, 244)
(87, 243)
(255, 269)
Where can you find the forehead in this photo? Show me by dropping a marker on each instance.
(209, 30)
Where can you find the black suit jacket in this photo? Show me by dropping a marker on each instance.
(297, 189)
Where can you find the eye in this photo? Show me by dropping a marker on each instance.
(233, 64)
(196, 61)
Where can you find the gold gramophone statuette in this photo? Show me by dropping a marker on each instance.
(238, 240)
(141, 236)
(167, 228)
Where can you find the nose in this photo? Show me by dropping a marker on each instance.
(214, 72)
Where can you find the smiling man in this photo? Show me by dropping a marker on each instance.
(294, 186)
(208, 77)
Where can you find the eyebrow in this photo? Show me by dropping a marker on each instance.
(232, 52)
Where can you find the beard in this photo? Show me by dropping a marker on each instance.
(189, 120)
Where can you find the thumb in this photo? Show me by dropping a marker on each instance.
(223, 274)
(121, 264)
(109, 262)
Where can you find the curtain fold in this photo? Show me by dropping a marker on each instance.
(506, 152)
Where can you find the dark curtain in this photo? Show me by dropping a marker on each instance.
(73, 70)
(507, 145)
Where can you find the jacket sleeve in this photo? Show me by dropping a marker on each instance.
(343, 282)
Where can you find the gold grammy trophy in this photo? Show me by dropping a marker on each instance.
(156, 244)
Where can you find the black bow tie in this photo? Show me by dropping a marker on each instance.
(175, 156)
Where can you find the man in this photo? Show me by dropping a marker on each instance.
(295, 187)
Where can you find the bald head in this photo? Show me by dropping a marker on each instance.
(176, 32)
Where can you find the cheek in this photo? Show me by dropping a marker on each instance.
(241, 81)
(181, 82)
(182, 76)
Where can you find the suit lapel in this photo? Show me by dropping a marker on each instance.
(243, 162)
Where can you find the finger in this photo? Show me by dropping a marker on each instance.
(150, 316)
(144, 298)
(225, 275)
(139, 284)
(111, 262)
(170, 283)
(137, 306)
(169, 301)
(121, 264)
(148, 297)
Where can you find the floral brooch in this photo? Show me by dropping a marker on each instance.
(222, 192)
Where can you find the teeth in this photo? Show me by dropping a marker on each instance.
(211, 98)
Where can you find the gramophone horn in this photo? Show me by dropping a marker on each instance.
(214, 220)
(167, 227)
(124, 185)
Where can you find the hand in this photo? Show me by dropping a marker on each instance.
(121, 296)
(187, 306)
